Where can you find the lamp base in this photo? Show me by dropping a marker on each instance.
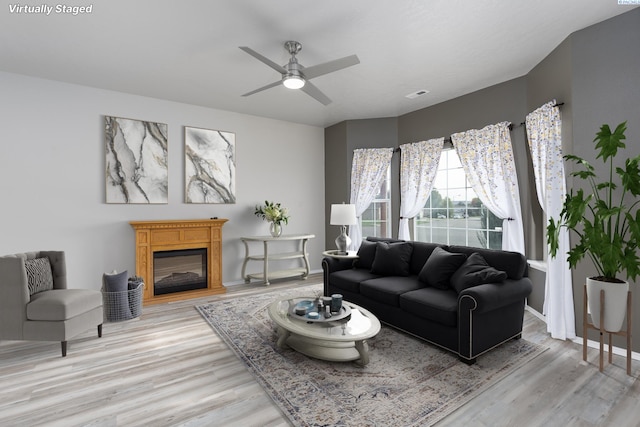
(343, 241)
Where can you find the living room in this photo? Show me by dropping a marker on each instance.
(52, 155)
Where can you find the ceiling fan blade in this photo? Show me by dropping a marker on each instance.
(269, 86)
(331, 66)
(270, 63)
(315, 93)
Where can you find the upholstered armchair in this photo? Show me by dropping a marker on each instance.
(35, 303)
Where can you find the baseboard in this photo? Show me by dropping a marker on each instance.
(590, 343)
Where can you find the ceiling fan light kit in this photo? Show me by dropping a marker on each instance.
(295, 76)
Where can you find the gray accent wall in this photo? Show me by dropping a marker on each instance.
(606, 89)
(594, 72)
(340, 141)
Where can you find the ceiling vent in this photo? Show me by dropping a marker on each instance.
(416, 94)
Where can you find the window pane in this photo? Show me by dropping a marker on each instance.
(376, 219)
(454, 214)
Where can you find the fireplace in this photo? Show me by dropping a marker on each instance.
(179, 259)
(180, 270)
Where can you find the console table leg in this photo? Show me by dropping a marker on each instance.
(266, 263)
(305, 258)
(246, 278)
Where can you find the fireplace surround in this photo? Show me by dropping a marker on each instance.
(164, 236)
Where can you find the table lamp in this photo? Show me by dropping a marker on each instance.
(343, 215)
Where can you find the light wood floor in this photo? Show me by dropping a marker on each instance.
(169, 368)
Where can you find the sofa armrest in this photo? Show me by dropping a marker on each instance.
(330, 265)
(491, 296)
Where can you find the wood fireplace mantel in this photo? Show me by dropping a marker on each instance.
(168, 235)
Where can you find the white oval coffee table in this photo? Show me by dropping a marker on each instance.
(336, 341)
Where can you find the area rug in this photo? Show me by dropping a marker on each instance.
(407, 382)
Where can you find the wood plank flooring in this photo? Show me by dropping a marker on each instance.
(168, 368)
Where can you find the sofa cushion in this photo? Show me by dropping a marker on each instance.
(39, 275)
(437, 305)
(475, 271)
(439, 268)
(62, 304)
(392, 259)
(349, 280)
(388, 289)
(366, 254)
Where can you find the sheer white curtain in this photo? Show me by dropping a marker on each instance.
(487, 159)
(418, 167)
(367, 173)
(544, 135)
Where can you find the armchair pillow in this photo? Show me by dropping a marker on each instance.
(439, 268)
(39, 276)
(475, 271)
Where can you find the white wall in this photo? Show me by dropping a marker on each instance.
(52, 179)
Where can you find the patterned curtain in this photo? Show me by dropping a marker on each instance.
(487, 159)
(368, 170)
(544, 135)
(418, 167)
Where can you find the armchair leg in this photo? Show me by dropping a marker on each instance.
(64, 348)
(100, 330)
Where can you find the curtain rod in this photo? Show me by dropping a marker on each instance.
(511, 127)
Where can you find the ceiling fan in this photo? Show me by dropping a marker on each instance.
(295, 76)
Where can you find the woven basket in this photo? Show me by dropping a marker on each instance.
(125, 305)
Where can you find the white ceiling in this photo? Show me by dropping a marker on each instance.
(187, 51)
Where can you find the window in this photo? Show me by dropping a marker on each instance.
(376, 219)
(454, 214)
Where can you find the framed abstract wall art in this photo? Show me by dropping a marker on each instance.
(210, 166)
(136, 161)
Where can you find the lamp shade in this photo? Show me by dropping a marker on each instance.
(343, 215)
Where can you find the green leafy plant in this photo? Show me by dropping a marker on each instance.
(606, 222)
(272, 212)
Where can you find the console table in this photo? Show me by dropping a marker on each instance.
(266, 257)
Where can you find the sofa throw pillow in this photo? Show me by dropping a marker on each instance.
(475, 271)
(116, 296)
(439, 268)
(392, 259)
(39, 275)
(366, 255)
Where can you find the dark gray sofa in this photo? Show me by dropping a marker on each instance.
(466, 300)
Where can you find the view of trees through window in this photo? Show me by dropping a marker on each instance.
(454, 214)
(376, 220)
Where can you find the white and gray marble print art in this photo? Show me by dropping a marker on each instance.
(136, 161)
(210, 166)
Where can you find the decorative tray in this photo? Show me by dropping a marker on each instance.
(309, 305)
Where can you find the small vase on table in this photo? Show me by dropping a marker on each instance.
(275, 229)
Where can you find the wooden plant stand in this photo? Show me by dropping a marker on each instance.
(587, 325)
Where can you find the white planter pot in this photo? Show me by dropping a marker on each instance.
(615, 303)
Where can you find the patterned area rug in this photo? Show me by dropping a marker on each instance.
(407, 382)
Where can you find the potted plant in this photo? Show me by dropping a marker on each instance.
(606, 222)
(275, 214)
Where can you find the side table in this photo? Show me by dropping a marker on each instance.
(341, 255)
